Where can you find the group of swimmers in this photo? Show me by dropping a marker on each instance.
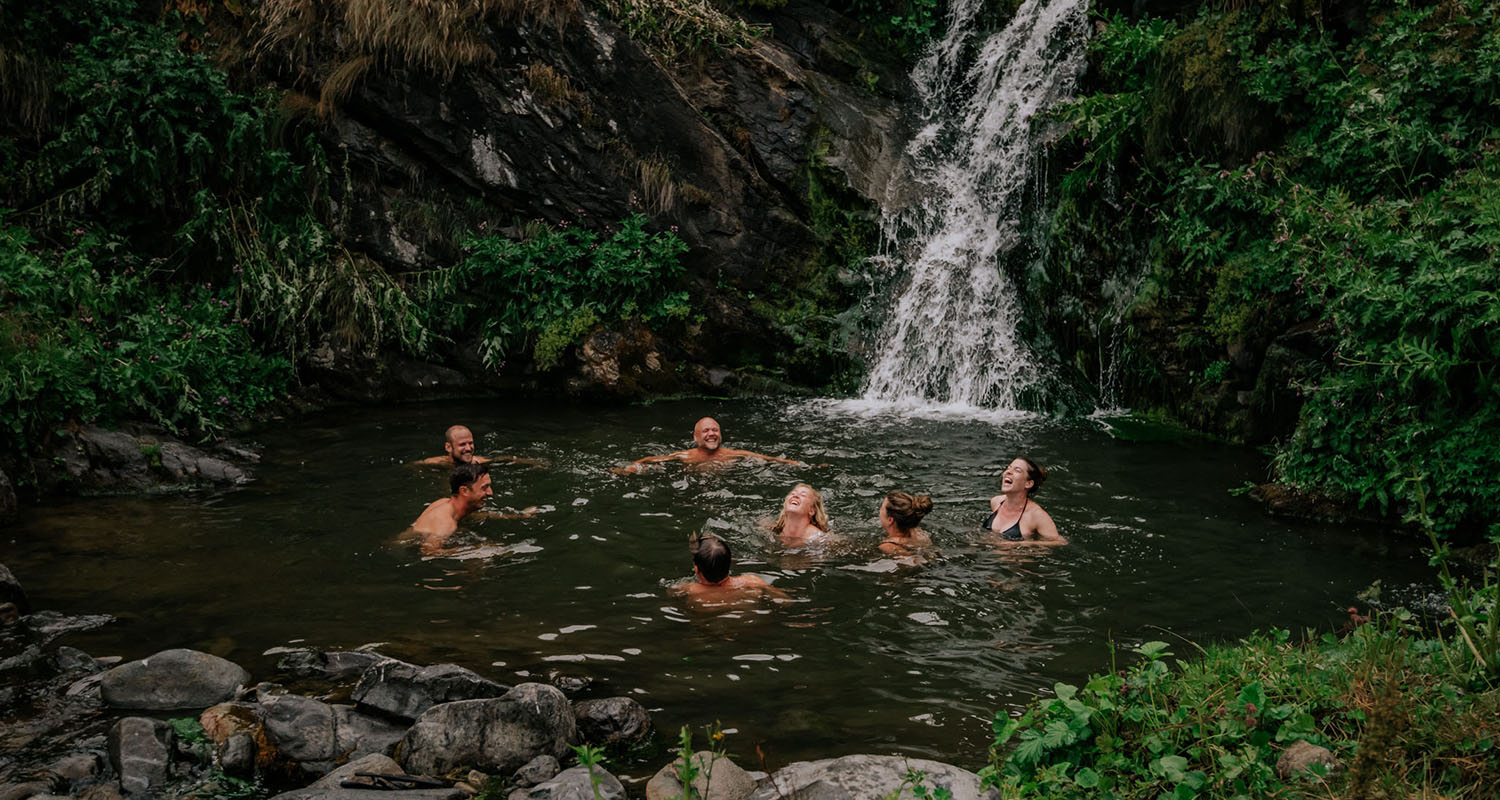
(1014, 518)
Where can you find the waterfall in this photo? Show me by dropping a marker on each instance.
(950, 336)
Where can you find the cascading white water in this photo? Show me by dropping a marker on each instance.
(950, 336)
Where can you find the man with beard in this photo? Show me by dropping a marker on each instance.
(708, 448)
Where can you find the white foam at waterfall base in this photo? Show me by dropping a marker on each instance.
(950, 336)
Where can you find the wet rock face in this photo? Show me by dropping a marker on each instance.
(317, 735)
(612, 721)
(140, 750)
(406, 690)
(138, 459)
(172, 679)
(574, 784)
(859, 777)
(496, 735)
(717, 777)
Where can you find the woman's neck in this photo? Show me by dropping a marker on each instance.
(796, 526)
(1014, 501)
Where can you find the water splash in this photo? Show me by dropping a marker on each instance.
(951, 335)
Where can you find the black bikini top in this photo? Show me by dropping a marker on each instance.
(1011, 534)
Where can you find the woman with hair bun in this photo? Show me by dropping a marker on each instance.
(900, 515)
(1012, 514)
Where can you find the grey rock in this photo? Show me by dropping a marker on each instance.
(105, 791)
(861, 777)
(495, 735)
(77, 767)
(172, 679)
(318, 735)
(21, 791)
(535, 771)
(236, 756)
(612, 721)
(71, 659)
(718, 779)
(1301, 755)
(576, 784)
(301, 729)
(328, 785)
(337, 665)
(48, 625)
(358, 734)
(11, 591)
(140, 750)
(406, 690)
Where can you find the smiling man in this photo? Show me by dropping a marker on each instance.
(708, 448)
(458, 448)
(471, 487)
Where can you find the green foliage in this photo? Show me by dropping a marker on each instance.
(551, 288)
(1216, 726)
(90, 333)
(906, 25)
(1368, 213)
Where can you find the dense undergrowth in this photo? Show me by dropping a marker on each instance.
(171, 252)
(1327, 170)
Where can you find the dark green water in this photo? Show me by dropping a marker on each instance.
(913, 661)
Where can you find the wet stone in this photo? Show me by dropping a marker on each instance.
(172, 679)
(236, 756)
(535, 771)
(612, 721)
(575, 784)
(140, 750)
(405, 690)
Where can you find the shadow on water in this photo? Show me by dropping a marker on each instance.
(870, 655)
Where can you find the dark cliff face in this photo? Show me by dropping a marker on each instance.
(579, 124)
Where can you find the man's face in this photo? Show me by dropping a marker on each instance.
(707, 435)
(460, 446)
(478, 491)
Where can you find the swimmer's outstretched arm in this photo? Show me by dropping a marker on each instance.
(764, 457)
(640, 464)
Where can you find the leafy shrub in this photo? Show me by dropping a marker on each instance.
(549, 289)
(88, 333)
(1384, 699)
(1369, 213)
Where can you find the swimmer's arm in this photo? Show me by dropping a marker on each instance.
(640, 464)
(764, 457)
(435, 461)
(525, 513)
(761, 584)
(996, 501)
(1046, 530)
(520, 460)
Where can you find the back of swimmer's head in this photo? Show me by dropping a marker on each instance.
(712, 557)
(464, 474)
(906, 509)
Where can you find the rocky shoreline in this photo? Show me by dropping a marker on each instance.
(184, 723)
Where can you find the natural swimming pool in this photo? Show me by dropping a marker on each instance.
(870, 658)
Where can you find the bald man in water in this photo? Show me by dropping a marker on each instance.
(708, 448)
(458, 447)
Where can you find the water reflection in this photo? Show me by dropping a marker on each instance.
(870, 655)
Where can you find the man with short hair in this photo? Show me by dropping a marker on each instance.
(712, 584)
(708, 440)
(458, 446)
(470, 483)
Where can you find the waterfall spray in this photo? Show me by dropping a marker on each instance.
(950, 336)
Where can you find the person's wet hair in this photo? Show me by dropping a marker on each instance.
(465, 475)
(1036, 473)
(711, 556)
(907, 510)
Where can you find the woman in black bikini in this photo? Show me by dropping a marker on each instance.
(1013, 516)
